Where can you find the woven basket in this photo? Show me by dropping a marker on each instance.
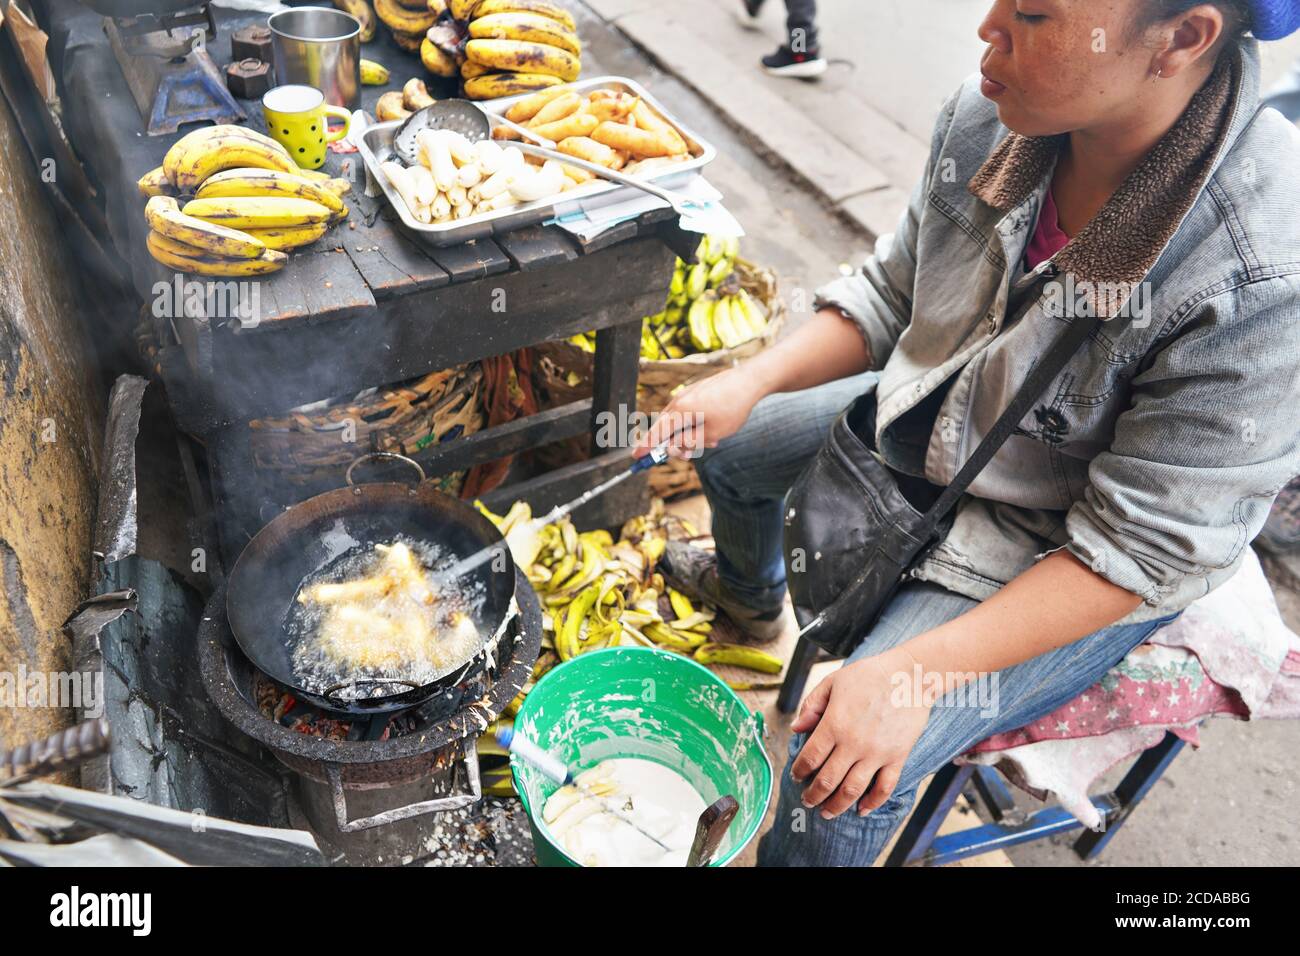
(565, 371)
(309, 446)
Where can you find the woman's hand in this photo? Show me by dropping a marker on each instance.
(865, 727)
(703, 414)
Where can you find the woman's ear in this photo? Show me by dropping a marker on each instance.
(1190, 38)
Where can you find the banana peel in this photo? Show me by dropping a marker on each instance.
(738, 655)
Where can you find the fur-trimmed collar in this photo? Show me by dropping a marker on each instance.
(1123, 241)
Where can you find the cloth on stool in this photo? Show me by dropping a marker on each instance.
(1229, 654)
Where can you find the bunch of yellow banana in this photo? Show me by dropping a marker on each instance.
(200, 154)
(706, 309)
(242, 218)
(187, 244)
(516, 46)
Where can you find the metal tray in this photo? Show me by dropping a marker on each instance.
(376, 146)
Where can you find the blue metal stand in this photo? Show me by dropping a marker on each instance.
(919, 844)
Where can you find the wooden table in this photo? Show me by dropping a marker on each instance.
(369, 305)
(376, 306)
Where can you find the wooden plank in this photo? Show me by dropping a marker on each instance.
(470, 260)
(411, 335)
(389, 261)
(610, 237)
(537, 247)
(315, 287)
(511, 438)
(614, 378)
(677, 239)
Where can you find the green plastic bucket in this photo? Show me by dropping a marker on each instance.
(647, 703)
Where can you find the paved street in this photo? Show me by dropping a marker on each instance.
(859, 137)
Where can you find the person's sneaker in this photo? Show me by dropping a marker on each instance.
(747, 13)
(803, 66)
(694, 572)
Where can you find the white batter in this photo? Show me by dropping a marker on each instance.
(658, 799)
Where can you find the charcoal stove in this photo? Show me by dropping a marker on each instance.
(369, 791)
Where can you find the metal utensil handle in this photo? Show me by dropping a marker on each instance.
(384, 456)
(497, 120)
(680, 203)
(329, 691)
(438, 805)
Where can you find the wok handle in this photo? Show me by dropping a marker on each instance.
(329, 692)
(384, 456)
(438, 805)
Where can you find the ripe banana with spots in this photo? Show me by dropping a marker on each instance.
(233, 183)
(528, 27)
(198, 155)
(372, 73)
(186, 258)
(401, 20)
(521, 56)
(257, 212)
(494, 85)
(545, 8)
(364, 14)
(461, 9)
(437, 61)
(285, 238)
(738, 655)
(155, 183)
(165, 217)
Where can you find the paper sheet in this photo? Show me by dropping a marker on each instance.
(587, 219)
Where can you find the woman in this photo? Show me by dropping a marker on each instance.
(1111, 158)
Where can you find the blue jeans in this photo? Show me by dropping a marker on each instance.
(746, 478)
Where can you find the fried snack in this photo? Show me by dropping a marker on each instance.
(349, 592)
(576, 124)
(557, 109)
(402, 568)
(530, 106)
(639, 142)
(614, 109)
(584, 147)
(650, 121)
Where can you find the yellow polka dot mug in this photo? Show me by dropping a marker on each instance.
(297, 117)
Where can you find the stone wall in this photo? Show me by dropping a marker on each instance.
(51, 422)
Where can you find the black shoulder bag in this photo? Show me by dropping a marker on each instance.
(851, 534)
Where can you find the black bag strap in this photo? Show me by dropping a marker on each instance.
(1040, 376)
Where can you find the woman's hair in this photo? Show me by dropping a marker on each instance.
(1236, 14)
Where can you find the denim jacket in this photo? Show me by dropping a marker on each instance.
(1155, 456)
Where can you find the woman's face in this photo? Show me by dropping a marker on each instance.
(1055, 66)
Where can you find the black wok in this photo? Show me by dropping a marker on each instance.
(299, 542)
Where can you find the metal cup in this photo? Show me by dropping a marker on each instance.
(320, 47)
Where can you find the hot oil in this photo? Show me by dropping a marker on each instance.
(414, 641)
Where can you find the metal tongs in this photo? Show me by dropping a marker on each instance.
(476, 124)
